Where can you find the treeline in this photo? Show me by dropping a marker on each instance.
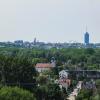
(88, 58)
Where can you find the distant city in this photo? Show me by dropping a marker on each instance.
(36, 44)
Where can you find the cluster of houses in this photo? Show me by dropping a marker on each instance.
(63, 80)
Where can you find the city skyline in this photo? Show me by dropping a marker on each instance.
(49, 21)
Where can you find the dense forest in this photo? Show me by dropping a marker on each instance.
(17, 68)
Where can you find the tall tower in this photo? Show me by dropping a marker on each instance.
(86, 37)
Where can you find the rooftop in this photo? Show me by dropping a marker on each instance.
(44, 65)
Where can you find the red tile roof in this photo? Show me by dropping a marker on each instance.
(43, 65)
(68, 81)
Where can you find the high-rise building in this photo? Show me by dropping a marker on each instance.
(86, 38)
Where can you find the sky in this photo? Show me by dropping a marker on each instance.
(49, 20)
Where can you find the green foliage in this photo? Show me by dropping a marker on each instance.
(16, 70)
(18, 63)
(49, 92)
(90, 51)
(98, 82)
(54, 92)
(96, 97)
(10, 93)
(86, 57)
(42, 79)
(85, 94)
(98, 86)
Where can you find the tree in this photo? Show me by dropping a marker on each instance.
(90, 51)
(85, 94)
(54, 92)
(49, 92)
(15, 93)
(17, 71)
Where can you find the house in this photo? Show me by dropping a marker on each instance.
(65, 83)
(63, 74)
(41, 67)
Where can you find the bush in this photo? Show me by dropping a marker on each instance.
(15, 93)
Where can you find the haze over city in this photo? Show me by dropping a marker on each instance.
(49, 20)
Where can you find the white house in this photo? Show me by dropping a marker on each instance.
(63, 74)
(63, 79)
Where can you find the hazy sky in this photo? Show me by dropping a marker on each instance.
(49, 20)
